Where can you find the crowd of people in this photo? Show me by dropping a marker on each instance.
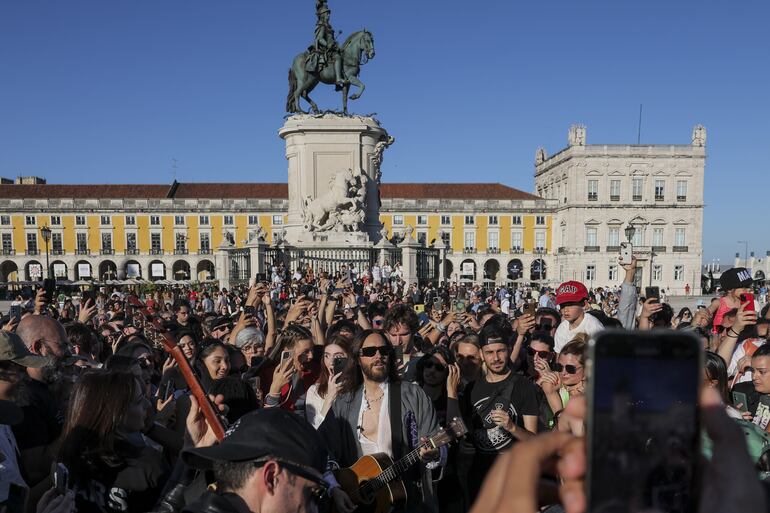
(309, 372)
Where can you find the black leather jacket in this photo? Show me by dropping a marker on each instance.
(211, 502)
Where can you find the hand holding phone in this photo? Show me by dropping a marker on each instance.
(626, 252)
(339, 364)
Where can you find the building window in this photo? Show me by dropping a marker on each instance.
(277, 220)
(470, 240)
(32, 243)
(657, 237)
(81, 240)
(539, 241)
(681, 190)
(253, 219)
(155, 220)
(493, 239)
(516, 220)
(30, 220)
(638, 239)
(105, 220)
(613, 273)
(679, 237)
(636, 189)
(493, 220)
(422, 238)
(155, 246)
(56, 243)
(615, 190)
(203, 220)
(613, 236)
(7, 243)
(398, 220)
(55, 220)
(591, 236)
(678, 273)
(131, 242)
(657, 272)
(422, 220)
(516, 240)
(80, 220)
(181, 242)
(228, 220)
(106, 241)
(590, 272)
(593, 190)
(446, 238)
(5, 220)
(540, 220)
(205, 242)
(178, 220)
(446, 220)
(660, 192)
(469, 220)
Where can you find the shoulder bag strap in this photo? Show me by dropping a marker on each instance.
(396, 422)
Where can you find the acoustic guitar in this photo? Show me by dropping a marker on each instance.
(374, 482)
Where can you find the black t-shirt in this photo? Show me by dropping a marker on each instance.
(43, 419)
(133, 486)
(515, 394)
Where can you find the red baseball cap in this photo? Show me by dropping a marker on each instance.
(571, 292)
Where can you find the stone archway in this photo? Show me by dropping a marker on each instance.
(107, 271)
(9, 271)
(83, 270)
(132, 269)
(468, 270)
(205, 270)
(157, 270)
(180, 270)
(491, 269)
(33, 271)
(515, 269)
(538, 270)
(59, 270)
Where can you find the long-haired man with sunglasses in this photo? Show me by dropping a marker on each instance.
(377, 413)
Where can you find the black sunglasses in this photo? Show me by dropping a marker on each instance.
(372, 350)
(431, 364)
(569, 369)
(542, 354)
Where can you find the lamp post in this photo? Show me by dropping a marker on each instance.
(745, 252)
(630, 231)
(45, 231)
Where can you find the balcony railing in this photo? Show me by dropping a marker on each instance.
(204, 251)
(591, 249)
(659, 249)
(81, 252)
(132, 251)
(516, 249)
(680, 249)
(614, 198)
(469, 250)
(681, 198)
(156, 251)
(659, 198)
(106, 251)
(561, 251)
(180, 251)
(612, 249)
(8, 252)
(637, 198)
(33, 252)
(493, 251)
(592, 196)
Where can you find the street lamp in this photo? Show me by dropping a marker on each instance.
(45, 231)
(630, 231)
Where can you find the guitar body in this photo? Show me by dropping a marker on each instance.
(369, 467)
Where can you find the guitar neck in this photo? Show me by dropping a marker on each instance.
(395, 471)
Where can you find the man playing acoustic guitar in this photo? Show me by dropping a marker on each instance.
(377, 413)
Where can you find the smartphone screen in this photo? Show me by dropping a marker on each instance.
(15, 313)
(653, 292)
(643, 422)
(338, 364)
(49, 284)
(740, 401)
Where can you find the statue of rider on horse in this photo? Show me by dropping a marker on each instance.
(328, 62)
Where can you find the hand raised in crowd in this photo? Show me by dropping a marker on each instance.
(162, 404)
(298, 309)
(525, 324)
(744, 318)
(702, 318)
(628, 266)
(253, 296)
(334, 385)
(54, 502)
(41, 301)
(10, 325)
(549, 381)
(453, 381)
(87, 311)
(267, 301)
(650, 306)
(169, 364)
(200, 432)
(282, 376)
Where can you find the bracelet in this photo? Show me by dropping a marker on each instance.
(440, 326)
(736, 334)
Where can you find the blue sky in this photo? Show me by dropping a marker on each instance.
(108, 91)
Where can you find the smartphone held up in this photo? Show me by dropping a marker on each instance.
(643, 423)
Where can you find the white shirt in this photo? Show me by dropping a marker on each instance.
(505, 306)
(384, 442)
(564, 334)
(314, 403)
(739, 353)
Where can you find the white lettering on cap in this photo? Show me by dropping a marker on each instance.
(744, 275)
(567, 289)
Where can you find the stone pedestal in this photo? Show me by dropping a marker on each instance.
(320, 147)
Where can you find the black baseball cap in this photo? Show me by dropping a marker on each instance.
(221, 322)
(736, 278)
(268, 434)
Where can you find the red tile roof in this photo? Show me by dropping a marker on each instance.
(257, 190)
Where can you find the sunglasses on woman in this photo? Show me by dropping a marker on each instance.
(431, 364)
(372, 350)
(542, 354)
(569, 369)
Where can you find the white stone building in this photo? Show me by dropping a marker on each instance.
(602, 189)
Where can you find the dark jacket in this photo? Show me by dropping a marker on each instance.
(211, 502)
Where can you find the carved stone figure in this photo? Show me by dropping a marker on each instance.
(577, 135)
(340, 206)
(279, 237)
(384, 233)
(699, 135)
(379, 150)
(228, 239)
(408, 231)
(540, 156)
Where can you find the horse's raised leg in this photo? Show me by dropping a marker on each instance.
(354, 80)
(313, 106)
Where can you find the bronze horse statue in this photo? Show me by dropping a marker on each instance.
(357, 50)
